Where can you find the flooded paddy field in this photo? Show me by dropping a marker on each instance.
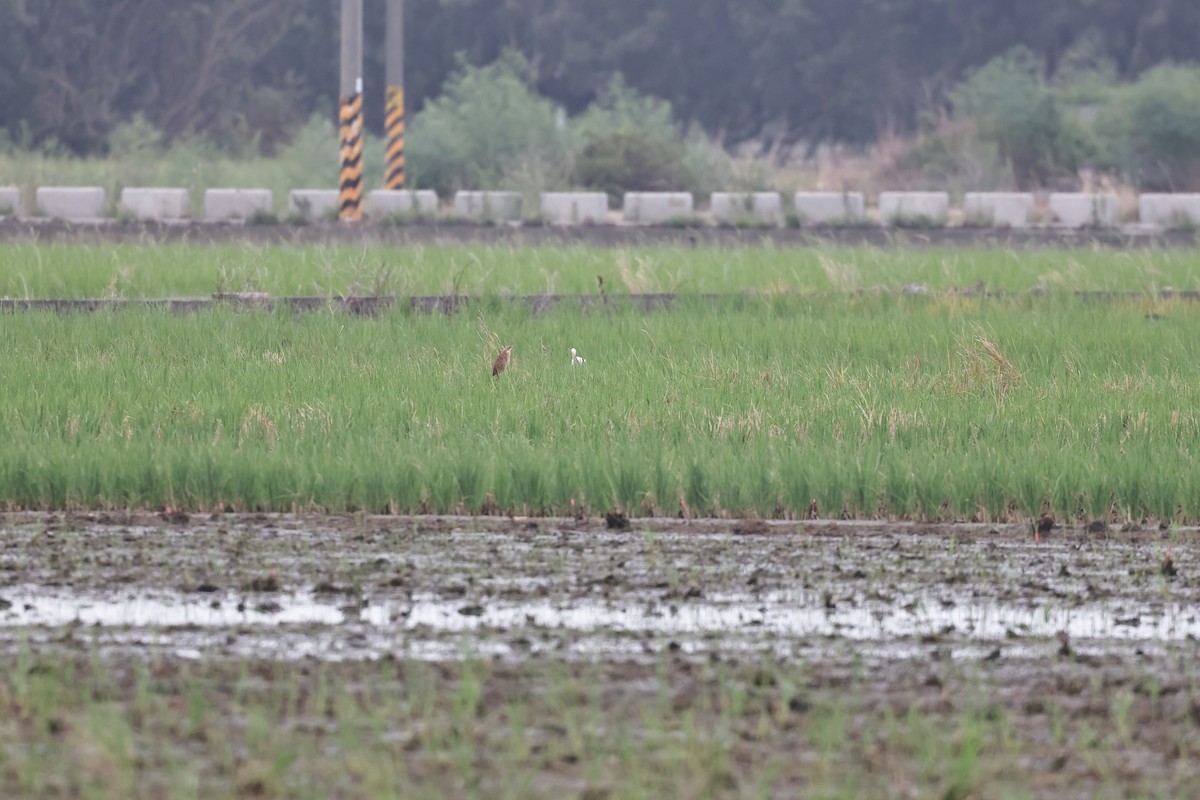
(372, 656)
(359, 587)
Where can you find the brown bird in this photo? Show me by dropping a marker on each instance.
(501, 360)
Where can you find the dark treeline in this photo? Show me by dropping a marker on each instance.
(788, 70)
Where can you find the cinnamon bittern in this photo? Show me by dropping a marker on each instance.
(501, 360)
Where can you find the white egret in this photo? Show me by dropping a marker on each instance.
(576, 360)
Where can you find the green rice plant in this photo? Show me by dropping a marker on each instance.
(935, 407)
(51, 270)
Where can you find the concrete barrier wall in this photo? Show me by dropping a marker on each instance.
(231, 204)
(1169, 209)
(735, 207)
(1009, 209)
(488, 206)
(10, 200)
(998, 208)
(652, 208)
(313, 203)
(567, 208)
(819, 208)
(154, 204)
(1073, 210)
(385, 202)
(71, 202)
(896, 205)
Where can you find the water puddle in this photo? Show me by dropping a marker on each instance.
(774, 616)
(163, 610)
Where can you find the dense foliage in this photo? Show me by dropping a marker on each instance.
(1026, 119)
(485, 127)
(633, 162)
(248, 71)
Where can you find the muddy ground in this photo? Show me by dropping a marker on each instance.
(1072, 655)
(443, 587)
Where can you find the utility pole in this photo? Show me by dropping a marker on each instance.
(350, 113)
(394, 107)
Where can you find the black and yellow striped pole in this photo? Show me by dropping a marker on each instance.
(394, 176)
(394, 108)
(351, 113)
(350, 198)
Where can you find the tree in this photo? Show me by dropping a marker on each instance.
(486, 125)
(1015, 109)
(95, 64)
(789, 70)
(1152, 129)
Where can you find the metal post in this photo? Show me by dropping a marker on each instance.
(394, 108)
(350, 205)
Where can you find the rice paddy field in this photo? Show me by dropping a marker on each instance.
(785, 396)
(36, 269)
(832, 522)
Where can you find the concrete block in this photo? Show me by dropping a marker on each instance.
(385, 202)
(1073, 210)
(71, 202)
(488, 206)
(154, 204)
(893, 205)
(742, 206)
(227, 204)
(572, 208)
(817, 208)
(998, 208)
(731, 206)
(652, 208)
(10, 200)
(313, 203)
(1153, 209)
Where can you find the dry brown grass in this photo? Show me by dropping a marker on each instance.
(949, 157)
(984, 369)
(843, 275)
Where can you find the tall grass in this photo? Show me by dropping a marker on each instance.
(41, 270)
(865, 406)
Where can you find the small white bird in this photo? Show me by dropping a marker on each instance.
(576, 360)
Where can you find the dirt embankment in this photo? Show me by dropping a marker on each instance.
(149, 233)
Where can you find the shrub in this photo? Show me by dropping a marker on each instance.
(623, 120)
(621, 109)
(1016, 110)
(1152, 129)
(136, 139)
(485, 125)
(633, 161)
(263, 217)
(919, 222)
(951, 156)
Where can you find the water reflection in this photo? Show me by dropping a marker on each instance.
(781, 615)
